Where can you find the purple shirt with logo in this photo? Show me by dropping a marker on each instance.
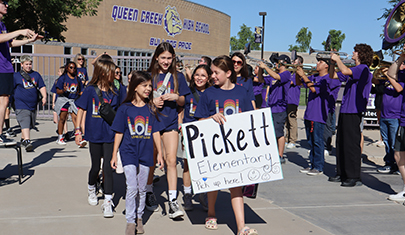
(5, 58)
(294, 92)
(278, 92)
(357, 90)
(317, 107)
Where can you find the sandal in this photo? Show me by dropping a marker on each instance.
(248, 231)
(211, 223)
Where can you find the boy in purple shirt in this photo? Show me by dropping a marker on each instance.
(279, 84)
(354, 102)
(6, 68)
(293, 101)
(390, 114)
(315, 114)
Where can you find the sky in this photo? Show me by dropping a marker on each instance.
(357, 19)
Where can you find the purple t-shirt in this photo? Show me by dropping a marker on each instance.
(5, 58)
(317, 107)
(392, 100)
(294, 92)
(169, 110)
(357, 89)
(97, 130)
(334, 87)
(191, 106)
(25, 93)
(248, 85)
(257, 88)
(278, 92)
(137, 125)
(215, 100)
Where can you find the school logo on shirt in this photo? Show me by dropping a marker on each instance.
(230, 107)
(172, 21)
(192, 107)
(140, 128)
(95, 105)
(29, 85)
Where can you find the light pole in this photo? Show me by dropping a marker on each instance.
(264, 15)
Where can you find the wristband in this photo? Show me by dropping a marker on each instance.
(78, 133)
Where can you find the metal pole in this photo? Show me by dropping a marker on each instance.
(264, 15)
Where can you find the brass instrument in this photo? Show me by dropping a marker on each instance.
(326, 54)
(394, 28)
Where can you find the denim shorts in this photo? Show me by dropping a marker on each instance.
(278, 122)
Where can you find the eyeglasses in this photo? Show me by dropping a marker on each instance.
(118, 73)
(5, 3)
(237, 62)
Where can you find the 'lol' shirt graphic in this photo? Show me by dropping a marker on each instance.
(29, 85)
(96, 104)
(139, 127)
(230, 107)
(193, 107)
(167, 90)
(81, 76)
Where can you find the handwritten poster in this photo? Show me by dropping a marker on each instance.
(241, 152)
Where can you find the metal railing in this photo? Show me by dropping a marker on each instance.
(48, 65)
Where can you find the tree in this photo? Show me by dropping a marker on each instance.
(336, 40)
(303, 38)
(245, 35)
(47, 16)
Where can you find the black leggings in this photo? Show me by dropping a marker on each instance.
(98, 151)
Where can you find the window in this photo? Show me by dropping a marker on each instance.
(84, 51)
(127, 65)
(67, 51)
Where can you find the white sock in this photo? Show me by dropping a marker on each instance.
(107, 197)
(60, 137)
(91, 187)
(187, 189)
(149, 188)
(172, 195)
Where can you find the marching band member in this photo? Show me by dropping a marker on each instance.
(354, 102)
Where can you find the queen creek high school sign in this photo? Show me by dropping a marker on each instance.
(170, 21)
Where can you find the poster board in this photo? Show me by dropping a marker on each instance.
(241, 152)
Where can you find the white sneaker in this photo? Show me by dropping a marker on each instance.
(290, 146)
(61, 142)
(399, 197)
(174, 209)
(305, 170)
(6, 142)
(326, 153)
(82, 144)
(106, 208)
(92, 199)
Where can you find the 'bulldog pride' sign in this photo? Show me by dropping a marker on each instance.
(241, 152)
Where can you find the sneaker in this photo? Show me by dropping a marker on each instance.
(151, 202)
(325, 153)
(27, 145)
(399, 197)
(282, 160)
(130, 229)
(107, 209)
(202, 197)
(6, 142)
(92, 199)
(396, 172)
(174, 210)
(61, 141)
(139, 226)
(188, 204)
(10, 133)
(82, 144)
(384, 169)
(305, 170)
(379, 144)
(290, 146)
(314, 172)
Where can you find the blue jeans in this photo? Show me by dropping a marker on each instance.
(314, 132)
(388, 129)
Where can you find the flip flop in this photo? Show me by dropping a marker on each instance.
(211, 223)
(248, 231)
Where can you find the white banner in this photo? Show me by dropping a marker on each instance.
(241, 152)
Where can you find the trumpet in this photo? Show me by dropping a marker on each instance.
(255, 62)
(326, 54)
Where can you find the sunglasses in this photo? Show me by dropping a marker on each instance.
(118, 73)
(80, 59)
(5, 3)
(72, 67)
(237, 62)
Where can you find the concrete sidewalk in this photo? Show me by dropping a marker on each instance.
(53, 197)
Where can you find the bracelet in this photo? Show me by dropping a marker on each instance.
(78, 133)
(77, 128)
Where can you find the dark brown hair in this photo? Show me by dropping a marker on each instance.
(365, 53)
(225, 64)
(209, 73)
(244, 70)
